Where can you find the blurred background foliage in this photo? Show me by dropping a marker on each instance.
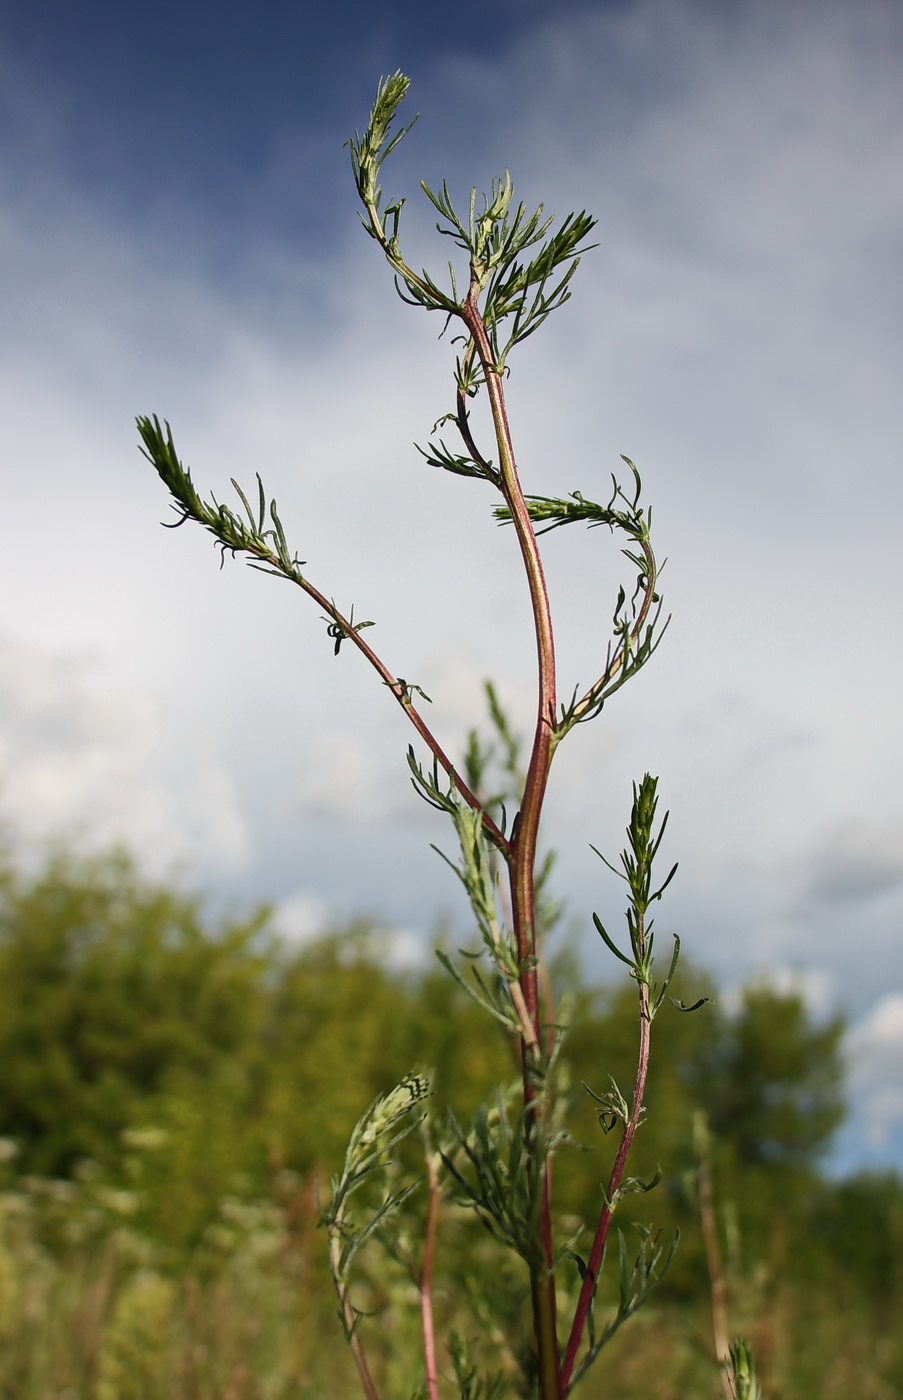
(172, 1085)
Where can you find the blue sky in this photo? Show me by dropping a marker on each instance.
(183, 106)
(178, 235)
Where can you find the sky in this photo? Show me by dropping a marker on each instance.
(178, 235)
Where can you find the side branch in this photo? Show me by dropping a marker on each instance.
(635, 618)
(402, 692)
(633, 649)
(594, 1263)
(266, 545)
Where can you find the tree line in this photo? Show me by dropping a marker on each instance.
(186, 1061)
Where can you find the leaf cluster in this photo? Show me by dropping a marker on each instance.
(513, 287)
(247, 534)
(471, 1386)
(368, 151)
(636, 617)
(519, 270)
(497, 1168)
(495, 237)
(743, 1378)
(637, 1280)
(500, 994)
(387, 1122)
(637, 861)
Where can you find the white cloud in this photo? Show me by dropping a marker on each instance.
(300, 918)
(340, 781)
(815, 987)
(303, 917)
(86, 764)
(858, 861)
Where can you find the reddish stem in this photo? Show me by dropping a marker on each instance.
(354, 1340)
(521, 856)
(524, 841)
(402, 695)
(594, 1263)
(363, 1370)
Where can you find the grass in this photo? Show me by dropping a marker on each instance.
(92, 1310)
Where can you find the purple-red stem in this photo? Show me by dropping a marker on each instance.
(363, 1370)
(402, 695)
(594, 1263)
(355, 1343)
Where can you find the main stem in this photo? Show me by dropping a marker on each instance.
(521, 858)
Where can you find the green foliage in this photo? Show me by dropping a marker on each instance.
(106, 983)
(196, 1217)
(496, 1176)
(743, 1371)
(636, 616)
(637, 861)
(857, 1225)
(214, 1032)
(753, 1086)
(515, 290)
(368, 1164)
(135, 1348)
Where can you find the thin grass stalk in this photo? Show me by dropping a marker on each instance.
(713, 1256)
(426, 1279)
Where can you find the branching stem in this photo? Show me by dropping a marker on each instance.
(514, 285)
(617, 663)
(403, 696)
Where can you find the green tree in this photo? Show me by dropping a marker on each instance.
(857, 1226)
(122, 1006)
(772, 1081)
(107, 982)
